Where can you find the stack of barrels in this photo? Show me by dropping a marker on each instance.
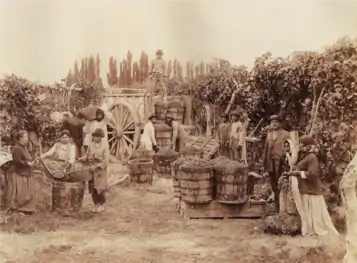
(163, 135)
(197, 181)
(141, 167)
(174, 106)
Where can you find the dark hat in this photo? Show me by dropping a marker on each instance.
(224, 115)
(170, 116)
(98, 133)
(275, 118)
(152, 116)
(65, 132)
(99, 111)
(159, 52)
(307, 140)
(235, 113)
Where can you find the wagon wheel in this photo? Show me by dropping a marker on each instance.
(127, 124)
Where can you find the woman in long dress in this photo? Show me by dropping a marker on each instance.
(315, 218)
(20, 191)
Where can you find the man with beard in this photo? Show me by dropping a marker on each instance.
(273, 152)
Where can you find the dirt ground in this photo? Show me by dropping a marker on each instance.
(141, 225)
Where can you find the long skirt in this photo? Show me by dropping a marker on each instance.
(99, 181)
(20, 192)
(316, 219)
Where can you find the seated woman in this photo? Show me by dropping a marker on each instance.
(315, 218)
(62, 155)
(20, 191)
(98, 156)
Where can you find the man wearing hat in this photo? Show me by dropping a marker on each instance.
(98, 155)
(273, 152)
(159, 66)
(223, 135)
(179, 135)
(235, 138)
(147, 139)
(101, 121)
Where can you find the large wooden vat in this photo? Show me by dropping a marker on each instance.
(142, 154)
(66, 196)
(160, 110)
(163, 160)
(176, 175)
(176, 109)
(196, 183)
(163, 135)
(231, 182)
(141, 171)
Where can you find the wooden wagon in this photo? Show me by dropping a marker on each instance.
(130, 109)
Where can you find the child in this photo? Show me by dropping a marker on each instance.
(283, 182)
(98, 155)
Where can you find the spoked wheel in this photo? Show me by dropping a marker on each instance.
(125, 136)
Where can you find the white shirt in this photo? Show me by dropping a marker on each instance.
(148, 137)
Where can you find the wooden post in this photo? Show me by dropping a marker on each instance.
(209, 120)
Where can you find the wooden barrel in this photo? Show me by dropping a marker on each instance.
(176, 175)
(163, 135)
(141, 154)
(160, 110)
(176, 108)
(141, 171)
(67, 196)
(231, 182)
(196, 184)
(163, 160)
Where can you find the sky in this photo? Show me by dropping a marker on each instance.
(40, 40)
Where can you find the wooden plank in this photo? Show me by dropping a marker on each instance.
(218, 210)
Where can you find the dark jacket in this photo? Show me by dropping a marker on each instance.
(20, 158)
(309, 164)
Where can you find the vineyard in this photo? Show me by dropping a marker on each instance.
(315, 91)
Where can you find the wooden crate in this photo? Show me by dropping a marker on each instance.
(208, 146)
(215, 210)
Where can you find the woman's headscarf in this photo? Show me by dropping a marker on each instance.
(308, 145)
(292, 155)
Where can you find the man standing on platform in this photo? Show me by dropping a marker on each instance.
(273, 151)
(159, 67)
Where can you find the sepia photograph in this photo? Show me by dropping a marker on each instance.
(178, 131)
